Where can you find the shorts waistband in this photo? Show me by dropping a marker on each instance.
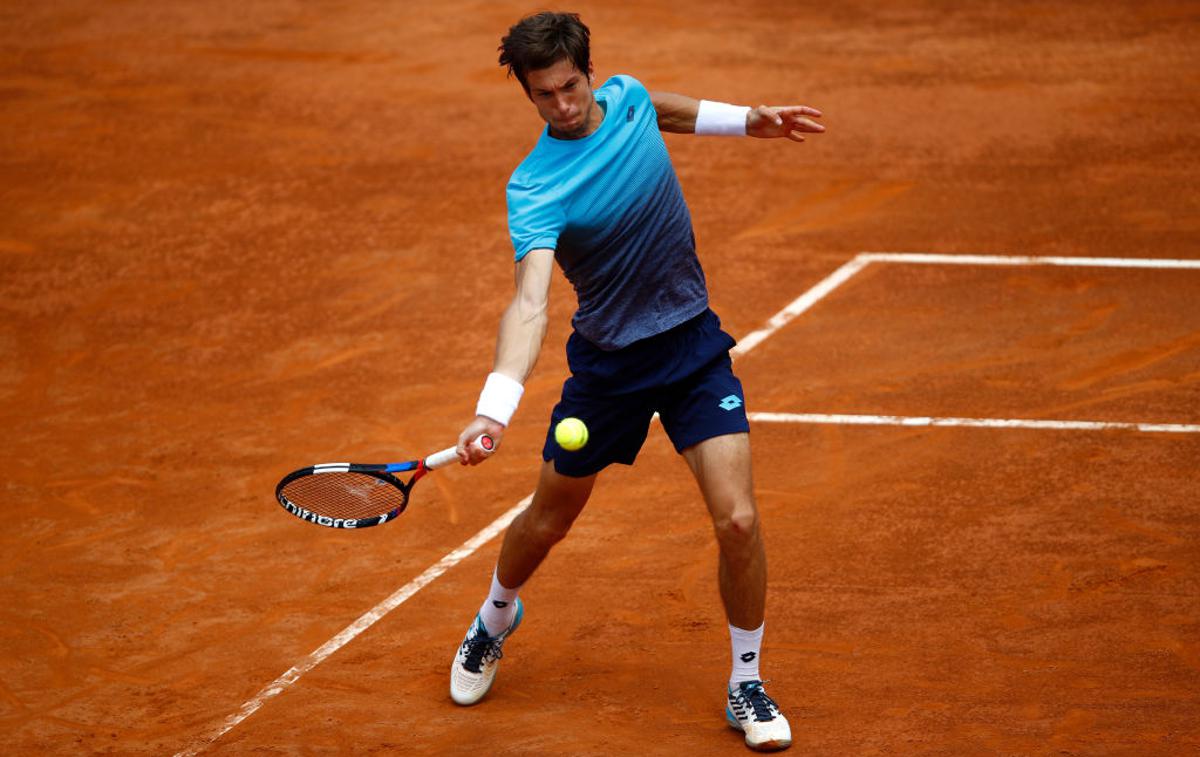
(658, 360)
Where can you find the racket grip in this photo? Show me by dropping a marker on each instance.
(483, 442)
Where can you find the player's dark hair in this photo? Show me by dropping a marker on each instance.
(539, 41)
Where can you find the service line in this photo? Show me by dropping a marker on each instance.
(929, 258)
(909, 420)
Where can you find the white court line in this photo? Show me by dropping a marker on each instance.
(860, 261)
(368, 619)
(863, 259)
(799, 305)
(938, 259)
(907, 420)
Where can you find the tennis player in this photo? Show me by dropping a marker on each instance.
(599, 195)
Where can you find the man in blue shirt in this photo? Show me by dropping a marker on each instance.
(598, 195)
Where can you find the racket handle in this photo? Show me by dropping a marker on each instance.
(483, 442)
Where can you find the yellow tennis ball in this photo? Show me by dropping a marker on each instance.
(571, 434)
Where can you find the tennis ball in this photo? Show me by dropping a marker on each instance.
(571, 434)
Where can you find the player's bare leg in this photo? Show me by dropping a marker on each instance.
(722, 468)
(556, 504)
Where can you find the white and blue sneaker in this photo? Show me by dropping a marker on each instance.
(474, 666)
(750, 710)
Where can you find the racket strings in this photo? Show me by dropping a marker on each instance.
(345, 495)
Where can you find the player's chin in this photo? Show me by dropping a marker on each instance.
(572, 129)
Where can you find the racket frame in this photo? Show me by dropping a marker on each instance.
(383, 472)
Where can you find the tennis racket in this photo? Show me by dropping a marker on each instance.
(353, 495)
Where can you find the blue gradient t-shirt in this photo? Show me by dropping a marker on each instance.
(611, 208)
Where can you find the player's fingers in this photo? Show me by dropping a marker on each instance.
(800, 110)
(465, 439)
(484, 441)
(476, 452)
(804, 124)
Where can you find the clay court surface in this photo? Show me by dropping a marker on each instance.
(241, 237)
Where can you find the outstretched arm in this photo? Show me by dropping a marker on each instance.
(678, 114)
(518, 344)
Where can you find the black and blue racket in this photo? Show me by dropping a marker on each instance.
(356, 495)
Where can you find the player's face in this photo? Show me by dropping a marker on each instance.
(564, 99)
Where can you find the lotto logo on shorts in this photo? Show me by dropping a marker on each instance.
(732, 402)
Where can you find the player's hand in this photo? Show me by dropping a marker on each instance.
(467, 452)
(791, 121)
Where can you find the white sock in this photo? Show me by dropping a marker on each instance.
(499, 608)
(746, 647)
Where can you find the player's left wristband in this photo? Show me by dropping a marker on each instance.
(499, 398)
(721, 119)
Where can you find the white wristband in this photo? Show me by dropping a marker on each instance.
(499, 398)
(721, 119)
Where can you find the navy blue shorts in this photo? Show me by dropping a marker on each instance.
(684, 374)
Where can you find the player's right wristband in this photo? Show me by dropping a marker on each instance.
(721, 119)
(499, 398)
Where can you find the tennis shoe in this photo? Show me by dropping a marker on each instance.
(475, 664)
(750, 710)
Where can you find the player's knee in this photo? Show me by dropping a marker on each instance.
(737, 527)
(550, 528)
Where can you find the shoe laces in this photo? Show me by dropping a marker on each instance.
(753, 693)
(480, 649)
